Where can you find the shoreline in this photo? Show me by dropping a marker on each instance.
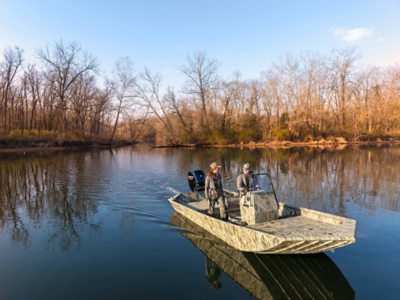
(302, 144)
(83, 145)
(286, 144)
(17, 146)
(44, 149)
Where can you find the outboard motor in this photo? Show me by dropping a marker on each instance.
(196, 180)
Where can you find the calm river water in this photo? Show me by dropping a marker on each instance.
(97, 225)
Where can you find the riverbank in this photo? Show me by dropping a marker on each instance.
(337, 142)
(33, 145)
(287, 144)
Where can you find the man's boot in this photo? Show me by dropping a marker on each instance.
(211, 210)
(224, 217)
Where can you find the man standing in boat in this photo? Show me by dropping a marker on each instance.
(214, 191)
(247, 181)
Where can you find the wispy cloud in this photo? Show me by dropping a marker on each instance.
(353, 35)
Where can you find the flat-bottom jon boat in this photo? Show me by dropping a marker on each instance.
(269, 276)
(271, 227)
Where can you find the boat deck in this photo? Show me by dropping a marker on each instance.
(300, 227)
(201, 205)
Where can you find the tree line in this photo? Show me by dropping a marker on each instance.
(299, 98)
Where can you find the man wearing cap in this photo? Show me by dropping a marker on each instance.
(214, 191)
(247, 181)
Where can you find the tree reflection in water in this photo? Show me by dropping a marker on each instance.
(49, 192)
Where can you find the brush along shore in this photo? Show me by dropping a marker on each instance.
(319, 143)
(39, 144)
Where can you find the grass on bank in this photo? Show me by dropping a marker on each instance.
(45, 139)
(279, 134)
(246, 134)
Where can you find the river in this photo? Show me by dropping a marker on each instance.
(97, 225)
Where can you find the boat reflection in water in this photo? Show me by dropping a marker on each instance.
(268, 276)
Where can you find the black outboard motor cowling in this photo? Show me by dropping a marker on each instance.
(196, 180)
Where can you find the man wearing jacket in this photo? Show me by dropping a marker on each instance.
(247, 181)
(214, 191)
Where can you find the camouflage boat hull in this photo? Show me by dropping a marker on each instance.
(297, 231)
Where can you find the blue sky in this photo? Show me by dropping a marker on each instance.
(242, 35)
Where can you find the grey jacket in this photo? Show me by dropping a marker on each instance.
(244, 182)
(213, 187)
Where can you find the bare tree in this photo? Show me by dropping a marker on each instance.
(101, 106)
(343, 64)
(136, 122)
(66, 63)
(34, 79)
(175, 106)
(12, 62)
(299, 98)
(202, 78)
(148, 91)
(125, 79)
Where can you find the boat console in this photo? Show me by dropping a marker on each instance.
(258, 206)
